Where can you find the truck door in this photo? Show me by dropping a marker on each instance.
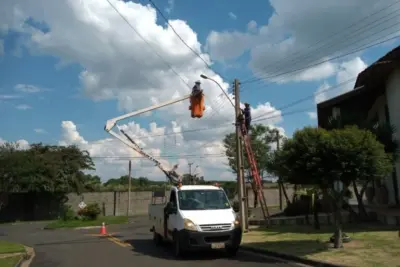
(171, 223)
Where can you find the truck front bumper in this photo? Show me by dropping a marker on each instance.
(191, 240)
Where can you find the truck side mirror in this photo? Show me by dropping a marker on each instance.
(170, 208)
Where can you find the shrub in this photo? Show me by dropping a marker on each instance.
(67, 213)
(90, 212)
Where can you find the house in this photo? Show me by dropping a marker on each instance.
(374, 98)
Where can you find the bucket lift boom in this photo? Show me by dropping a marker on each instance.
(172, 175)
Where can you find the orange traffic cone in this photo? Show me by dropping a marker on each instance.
(103, 230)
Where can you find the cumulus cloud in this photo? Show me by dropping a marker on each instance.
(118, 65)
(300, 36)
(22, 143)
(40, 131)
(346, 75)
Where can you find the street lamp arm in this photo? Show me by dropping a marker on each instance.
(222, 89)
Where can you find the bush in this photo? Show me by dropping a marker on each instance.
(90, 212)
(67, 213)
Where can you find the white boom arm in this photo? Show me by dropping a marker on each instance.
(171, 174)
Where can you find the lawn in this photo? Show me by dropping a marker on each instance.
(10, 247)
(83, 223)
(7, 248)
(376, 246)
(9, 261)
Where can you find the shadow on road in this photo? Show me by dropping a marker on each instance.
(148, 248)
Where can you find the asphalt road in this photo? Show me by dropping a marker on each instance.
(131, 246)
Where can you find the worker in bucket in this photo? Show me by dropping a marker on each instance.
(247, 116)
(196, 88)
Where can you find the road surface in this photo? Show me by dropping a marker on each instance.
(131, 246)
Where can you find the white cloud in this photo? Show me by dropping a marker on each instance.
(346, 75)
(28, 88)
(22, 143)
(312, 115)
(299, 36)
(252, 26)
(119, 66)
(39, 131)
(23, 107)
(232, 15)
(7, 97)
(171, 4)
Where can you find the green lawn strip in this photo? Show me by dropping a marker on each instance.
(9, 261)
(10, 247)
(371, 246)
(82, 223)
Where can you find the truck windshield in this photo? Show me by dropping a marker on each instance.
(203, 200)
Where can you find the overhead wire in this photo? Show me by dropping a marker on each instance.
(358, 49)
(333, 35)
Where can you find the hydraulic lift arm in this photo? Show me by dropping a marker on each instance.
(172, 175)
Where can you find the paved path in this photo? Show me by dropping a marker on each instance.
(131, 246)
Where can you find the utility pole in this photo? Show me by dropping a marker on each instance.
(190, 172)
(239, 166)
(279, 183)
(129, 188)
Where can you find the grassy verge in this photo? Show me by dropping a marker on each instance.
(9, 261)
(10, 247)
(371, 245)
(81, 223)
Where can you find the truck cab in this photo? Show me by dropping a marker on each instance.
(196, 217)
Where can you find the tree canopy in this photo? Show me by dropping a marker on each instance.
(319, 157)
(43, 168)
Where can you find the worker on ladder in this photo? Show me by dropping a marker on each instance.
(247, 116)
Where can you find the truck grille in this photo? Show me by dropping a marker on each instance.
(215, 227)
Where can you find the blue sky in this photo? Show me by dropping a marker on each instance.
(62, 96)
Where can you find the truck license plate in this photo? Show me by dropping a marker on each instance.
(217, 245)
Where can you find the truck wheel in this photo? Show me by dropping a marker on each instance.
(232, 251)
(177, 246)
(157, 239)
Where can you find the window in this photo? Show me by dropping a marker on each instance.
(203, 200)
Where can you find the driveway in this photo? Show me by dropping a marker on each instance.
(131, 246)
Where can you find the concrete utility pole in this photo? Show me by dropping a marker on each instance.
(129, 188)
(239, 167)
(190, 172)
(279, 184)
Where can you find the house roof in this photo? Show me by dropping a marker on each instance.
(373, 77)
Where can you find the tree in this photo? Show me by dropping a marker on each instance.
(43, 168)
(385, 133)
(315, 156)
(261, 138)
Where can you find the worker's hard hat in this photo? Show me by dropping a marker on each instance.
(246, 104)
(197, 82)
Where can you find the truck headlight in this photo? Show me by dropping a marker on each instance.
(189, 225)
(236, 222)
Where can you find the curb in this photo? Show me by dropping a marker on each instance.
(26, 258)
(287, 257)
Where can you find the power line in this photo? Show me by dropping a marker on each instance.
(133, 28)
(183, 41)
(333, 35)
(327, 60)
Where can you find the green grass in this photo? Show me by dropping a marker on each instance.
(371, 245)
(81, 223)
(10, 247)
(9, 261)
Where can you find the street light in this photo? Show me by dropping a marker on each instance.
(222, 89)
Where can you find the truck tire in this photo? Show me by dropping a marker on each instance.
(232, 251)
(157, 238)
(177, 246)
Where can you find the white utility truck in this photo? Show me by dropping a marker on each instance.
(196, 217)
